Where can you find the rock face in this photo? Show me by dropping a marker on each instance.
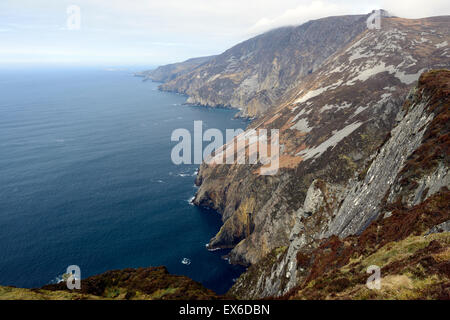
(255, 74)
(362, 203)
(353, 154)
(404, 193)
(443, 227)
(331, 126)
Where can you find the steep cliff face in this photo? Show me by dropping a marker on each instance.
(331, 124)
(382, 215)
(410, 246)
(255, 74)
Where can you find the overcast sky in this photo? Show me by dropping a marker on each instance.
(152, 32)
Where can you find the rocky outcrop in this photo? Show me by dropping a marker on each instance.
(154, 283)
(443, 227)
(421, 133)
(402, 193)
(331, 126)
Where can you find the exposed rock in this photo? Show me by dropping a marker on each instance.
(255, 74)
(336, 268)
(392, 173)
(363, 86)
(362, 204)
(443, 227)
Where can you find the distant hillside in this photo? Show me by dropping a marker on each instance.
(171, 71)
(255, 74)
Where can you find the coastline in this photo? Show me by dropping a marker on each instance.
(116, 179)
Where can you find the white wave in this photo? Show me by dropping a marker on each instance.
(62, 278)
(191, 201)
(211, 250)
(183, 175)
(57, 280)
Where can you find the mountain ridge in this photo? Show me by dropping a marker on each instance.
(330, 125)
(253, 75)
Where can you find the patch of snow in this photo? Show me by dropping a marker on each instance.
(327, 107)
(312, 93)
(357, 43)
(358, 54)
(442, 44)
(368, 73)
(380, 68)
(384, 96)
(409, 78)
(337, 137)
(410, 59)
(337, 107)
(359, 110)
(339, 68)
(302, 112)
(302, 125)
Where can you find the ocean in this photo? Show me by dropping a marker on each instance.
(86, 178)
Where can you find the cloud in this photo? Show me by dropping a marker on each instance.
(315, 9)
(164, 31)
(298, 15)
(414, 9)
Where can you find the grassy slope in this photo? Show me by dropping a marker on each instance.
(138, 284)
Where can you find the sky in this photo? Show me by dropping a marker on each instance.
(155, 32)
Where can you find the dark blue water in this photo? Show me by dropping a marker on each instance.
(86, 178)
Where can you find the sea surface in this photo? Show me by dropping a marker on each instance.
(86, 178)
